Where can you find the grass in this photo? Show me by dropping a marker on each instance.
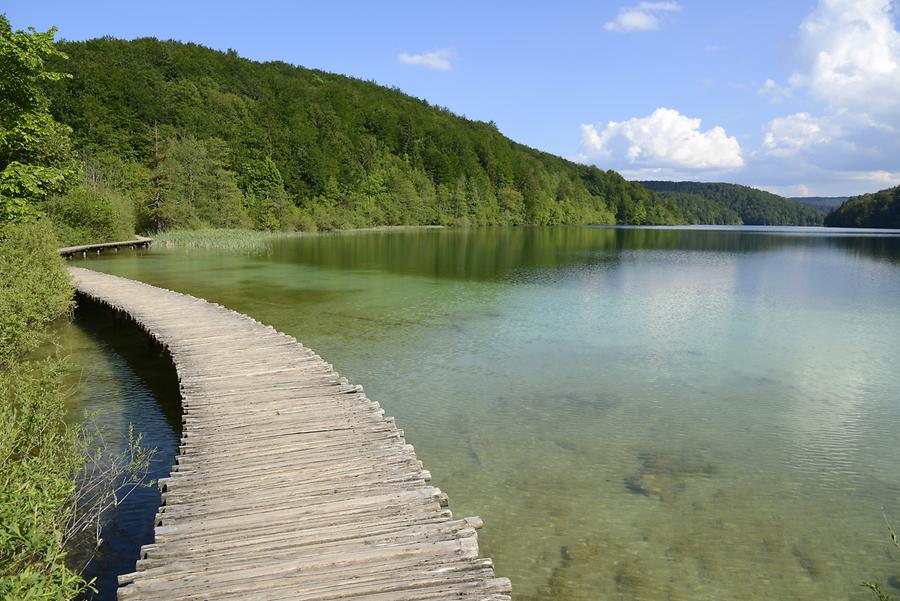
(222, 239)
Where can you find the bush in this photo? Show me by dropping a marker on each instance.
(83, 216)
(38, 453)
(50, 497)
(34, 288)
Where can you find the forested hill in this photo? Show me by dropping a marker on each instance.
(754, 207)
(822, 203)
(881, 209)
(200, 136)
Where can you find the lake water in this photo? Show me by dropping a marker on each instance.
(119, 378)
(636, 413)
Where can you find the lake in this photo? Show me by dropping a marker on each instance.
(636, 413)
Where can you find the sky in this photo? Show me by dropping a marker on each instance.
(800, 97)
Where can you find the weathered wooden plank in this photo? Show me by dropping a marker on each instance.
(290, 482)
(68, 251)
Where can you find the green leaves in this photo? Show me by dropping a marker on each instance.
(35, 156)
(34, 288)
(38, 454)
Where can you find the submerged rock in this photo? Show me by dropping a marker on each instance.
(643, 484)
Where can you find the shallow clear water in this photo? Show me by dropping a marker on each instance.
(119, 378)
(641, 413)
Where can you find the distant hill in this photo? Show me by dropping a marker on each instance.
(754, 207)
(699, 210)
(223, 140)
(822, 203)
(880, 209)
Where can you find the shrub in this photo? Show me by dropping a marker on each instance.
(34, 288)
(83, 216)
(38, 453)
(50, 497)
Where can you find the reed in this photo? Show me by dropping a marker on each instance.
(238, 240)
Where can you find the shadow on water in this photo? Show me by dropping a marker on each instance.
(148, 397)
(486, 254)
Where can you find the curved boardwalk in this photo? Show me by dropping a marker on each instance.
(290, 483)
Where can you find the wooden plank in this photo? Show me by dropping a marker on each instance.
(290, 483)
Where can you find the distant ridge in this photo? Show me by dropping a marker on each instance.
(752, 206)
(822, 203)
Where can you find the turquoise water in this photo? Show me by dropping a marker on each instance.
(636, 413)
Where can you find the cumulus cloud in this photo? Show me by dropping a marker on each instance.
(665, 139)
(853, 53)
(849, 57)
(439, 60)
(785, 136)
(645, 16)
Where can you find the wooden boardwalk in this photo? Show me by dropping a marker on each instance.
(84, 249)
(289, 483)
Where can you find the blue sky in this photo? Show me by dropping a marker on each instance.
(653, 89)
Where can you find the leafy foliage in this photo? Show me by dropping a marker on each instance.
(84, 216)
(754, 207)
(38, 459)
(881, 209)
(35, 159)
(312, 149)
(34, 289)
(56, 481)
(37, 451)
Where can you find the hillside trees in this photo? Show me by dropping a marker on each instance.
(311, 149)
(266, 198)
(881, 209)
(188, 183)
(348, 153)
(698, 209)
(35, 157)
(754, 207)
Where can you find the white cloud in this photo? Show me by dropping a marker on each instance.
(853, 53)
(849, 61)
(785, 136)
(645, 16)
(439, 60)
(775, 93)
(665, 139)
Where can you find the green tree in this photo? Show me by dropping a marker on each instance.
(222, 202)
(881, 209)
(265, 195)
(35, 156)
